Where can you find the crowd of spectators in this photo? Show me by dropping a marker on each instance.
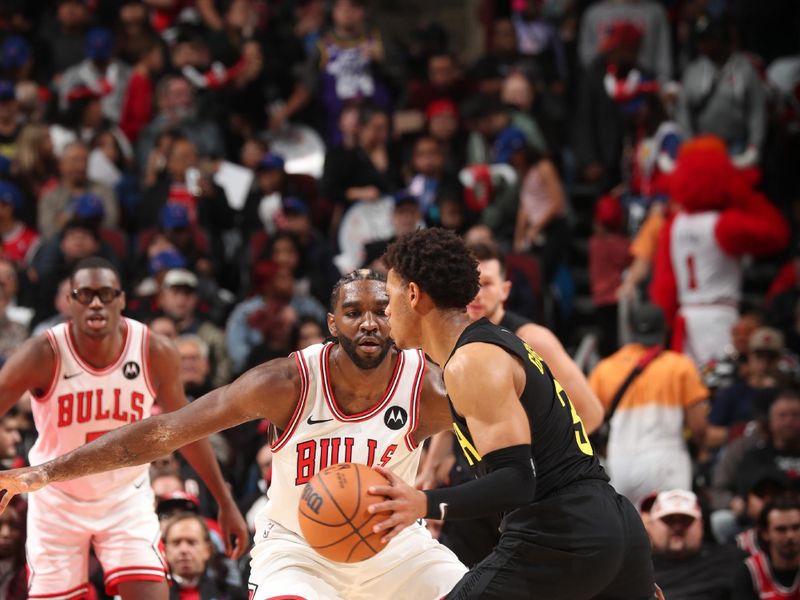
(235, 157)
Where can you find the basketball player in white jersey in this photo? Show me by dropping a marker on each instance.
(89, 376)
(359, 399)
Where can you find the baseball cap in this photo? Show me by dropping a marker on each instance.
(647, 324)
(10, 194)
(405, 197)
(676, 502)
(166, 260)
(99, 43)
(508, 141)
(294, 206)
(174, 216)
(608, 212)
(7, 90)
(622, 34)
(270, 162)
(178, 501)
(766, 339)
(87, 206)
(439, 107)
(16, 52)
(180, 278)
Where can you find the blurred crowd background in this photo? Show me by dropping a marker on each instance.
(235, 157)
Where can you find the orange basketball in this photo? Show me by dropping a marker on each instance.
(333, 512)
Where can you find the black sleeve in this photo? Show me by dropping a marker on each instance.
(743, 584)
(510, 484)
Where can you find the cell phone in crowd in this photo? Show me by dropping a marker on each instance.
(193, 180)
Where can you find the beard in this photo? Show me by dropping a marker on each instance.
(366, 363)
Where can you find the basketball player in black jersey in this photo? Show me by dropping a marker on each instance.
(565, 533)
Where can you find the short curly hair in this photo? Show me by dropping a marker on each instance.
(439, 263)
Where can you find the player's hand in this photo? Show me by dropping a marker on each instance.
(232, 524)
(659, 594)
(20, 481)
(404, 502)
(426, 480)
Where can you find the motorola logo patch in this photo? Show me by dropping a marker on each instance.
(130, 370)
(395, 418)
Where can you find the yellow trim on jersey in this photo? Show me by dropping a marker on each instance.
(534, 357)
(466, 447)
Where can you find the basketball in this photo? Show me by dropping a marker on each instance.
(333, 512)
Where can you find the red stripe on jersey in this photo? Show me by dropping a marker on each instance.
(146, 361)
(370, 412)
(114, 573)
(56, 370)
(415, 401)
(73, 349)
(75, 592)
(111, 586)
(301, 402)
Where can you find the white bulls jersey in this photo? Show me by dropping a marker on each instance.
(320, 434)
(703, 272)
(83, 403)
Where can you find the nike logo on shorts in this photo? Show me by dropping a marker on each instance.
(70, 376)
(311, 421)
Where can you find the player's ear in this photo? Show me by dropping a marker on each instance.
(332, 325)
(123, 299)
(505, 290)
(413, 294)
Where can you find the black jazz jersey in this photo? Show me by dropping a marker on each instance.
(562, 453)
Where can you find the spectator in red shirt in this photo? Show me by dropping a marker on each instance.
(608, 258)
(773, 574)
(18, 238)
(137, 107)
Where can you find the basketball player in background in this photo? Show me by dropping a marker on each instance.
(89, 376)
(358, 399)
(473, 539)
(493, 292)
(566, 532)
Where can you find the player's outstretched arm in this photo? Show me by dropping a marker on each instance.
(164, 362)
(484, 383)
(268, 391)
(564, 369)
(30, 367)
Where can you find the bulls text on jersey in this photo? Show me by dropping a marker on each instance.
(82, 407)
(315, 455)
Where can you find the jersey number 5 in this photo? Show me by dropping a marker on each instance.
(581, 438)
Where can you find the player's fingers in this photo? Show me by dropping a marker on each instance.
(7, 496)
(384, 490)
(226, 539)
(238, 546)
(391, 522)
(386, 506)
(391, 534)
(390, 475)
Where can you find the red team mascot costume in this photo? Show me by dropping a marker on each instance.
(719, 217)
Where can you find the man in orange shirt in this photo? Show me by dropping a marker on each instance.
(647, 451)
